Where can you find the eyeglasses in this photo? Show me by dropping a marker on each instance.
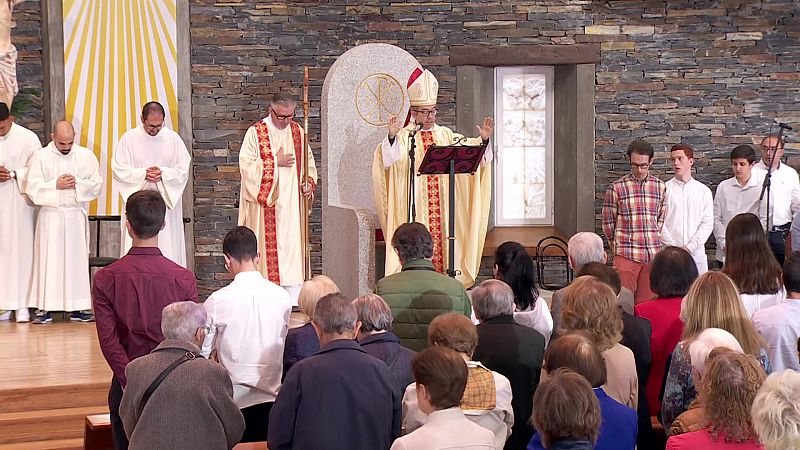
(425, 112)
(147, 126)
(279, 116)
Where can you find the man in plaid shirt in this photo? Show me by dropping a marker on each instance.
(633, 213)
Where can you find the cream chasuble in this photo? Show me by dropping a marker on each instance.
(135, 153)
(270, 198)
(16, 218)
(61, 248)
(473, 195)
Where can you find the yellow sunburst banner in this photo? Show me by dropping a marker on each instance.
(118, 55)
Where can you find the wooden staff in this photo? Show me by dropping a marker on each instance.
(305, 203)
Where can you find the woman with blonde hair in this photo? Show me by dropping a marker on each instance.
(591, 306)
(302, 340)
(728, 388)
(712, 302)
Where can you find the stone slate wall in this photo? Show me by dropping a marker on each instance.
(712, 74)
(27, 37)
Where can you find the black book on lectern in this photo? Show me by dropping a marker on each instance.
(437, 159)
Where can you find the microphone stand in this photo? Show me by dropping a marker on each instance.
(412, 196)
(767, 186)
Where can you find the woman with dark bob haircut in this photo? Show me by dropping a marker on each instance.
(513, 265)
(673, 272)
(751, 264)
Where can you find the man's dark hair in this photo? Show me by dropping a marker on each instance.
(412, 241)
(282, 97)
(443, 372)
(145, 210)
(240, 244)
(5, 113)
(641, 147)
(576, 352)
(744, 152)
(153, 108)
(791, 272)
(603, 273)
(673, 271)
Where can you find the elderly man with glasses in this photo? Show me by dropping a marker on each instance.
(784, 197)
(270, 162)
(175, 398)
(390, 181)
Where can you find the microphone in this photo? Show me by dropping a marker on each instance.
(781, 125)
(418, 126)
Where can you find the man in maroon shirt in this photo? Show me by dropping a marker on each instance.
(128, 297)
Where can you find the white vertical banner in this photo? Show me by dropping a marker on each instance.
(118, 55)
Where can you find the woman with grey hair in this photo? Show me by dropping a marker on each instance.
(206, 416)
(377, 339)
(776, 411)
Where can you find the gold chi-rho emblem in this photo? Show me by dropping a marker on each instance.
(379, 97)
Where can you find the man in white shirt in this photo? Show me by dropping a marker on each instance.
(690, 209)
(247, 325)
(153, 157)
(780, 324)
(784, 199)
(737, 195)
(17, 146)
(63, 178)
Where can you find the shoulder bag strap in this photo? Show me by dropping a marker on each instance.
(154, 385)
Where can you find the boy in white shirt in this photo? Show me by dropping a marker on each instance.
(737, 195)
(690, 211)
(246, 330)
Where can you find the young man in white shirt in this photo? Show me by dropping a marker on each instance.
(780, 324)
(784, 199)
(737, 195)
(247, 325)
(690, 210)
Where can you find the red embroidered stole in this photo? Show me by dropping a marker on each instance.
(435, 212)
(270, 249)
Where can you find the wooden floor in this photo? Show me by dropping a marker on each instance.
(51, 377)
(54, 354)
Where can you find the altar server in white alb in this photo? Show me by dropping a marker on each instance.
(63, 178)
(153, 157)
(17, 146)
(690, 209)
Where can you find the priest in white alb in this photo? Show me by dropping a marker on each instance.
(63, 178)
(390, 182)
(270, 162)
(153, 157)
(17, 145)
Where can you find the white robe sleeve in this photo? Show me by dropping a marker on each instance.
(129, 179)
(390, 152)
(32, 147)
(39, 190)
(173, 179)
(251, 167)
(88, 183)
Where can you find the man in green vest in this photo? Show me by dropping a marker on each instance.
(418, 293)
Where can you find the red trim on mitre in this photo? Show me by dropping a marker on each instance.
(414, 75)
